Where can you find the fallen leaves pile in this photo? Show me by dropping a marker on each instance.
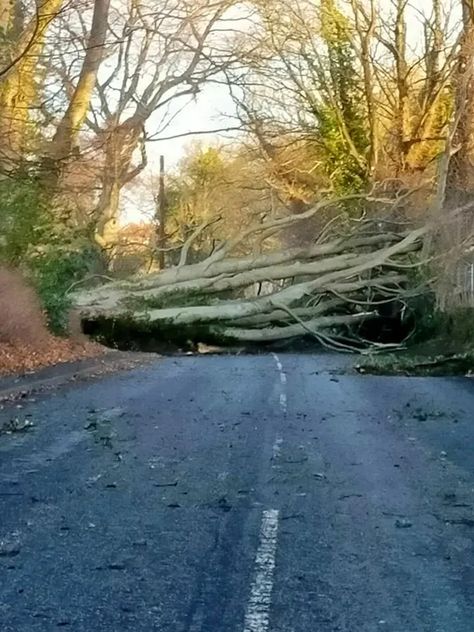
(25, 342)
(26, 358)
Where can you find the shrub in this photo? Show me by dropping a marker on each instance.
(54, 274)
(49, 252)
(22, 218)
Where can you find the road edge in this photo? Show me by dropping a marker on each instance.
(52, 377)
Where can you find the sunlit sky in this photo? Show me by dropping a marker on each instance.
(211, 110)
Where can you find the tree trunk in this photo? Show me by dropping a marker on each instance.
(121, 141)
(18, 89)
(460, 180)
(456, 178)
(401, 66)
(71, 123)
(109, 297)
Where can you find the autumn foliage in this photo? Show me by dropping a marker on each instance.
(25, 343)
(22, 318)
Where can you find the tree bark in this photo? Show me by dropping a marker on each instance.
(401, 66)
(121, 141)
(460, 179)
(18, 88)
(314, 326)
(78, 107)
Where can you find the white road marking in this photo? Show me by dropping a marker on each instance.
(277, 447)
(277, 360)
(257, 617)
(283, 380)
(278, 363)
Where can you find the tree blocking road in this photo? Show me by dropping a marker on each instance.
(324, 289)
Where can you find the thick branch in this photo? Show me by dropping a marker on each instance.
(313, 326)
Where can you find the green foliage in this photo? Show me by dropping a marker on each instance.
(54, 273)
(419, 362)
(52, 256)
(456, 327)
(22, 217)
(342, 125)
(193, 197)
(443, 344)
(204, 167)
(343, 170)
(449, 330)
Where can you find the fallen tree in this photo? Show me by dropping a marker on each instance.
(326, 289)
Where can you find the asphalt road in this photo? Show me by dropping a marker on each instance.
(240, 494)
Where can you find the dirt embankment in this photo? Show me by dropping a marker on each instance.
(25, 342)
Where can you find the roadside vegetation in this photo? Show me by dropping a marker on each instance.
(335, 201)
(442, 346)
(26, 342)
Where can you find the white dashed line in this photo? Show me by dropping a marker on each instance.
(278, 363)
(283, 380)
(277, 447)
(257, 617)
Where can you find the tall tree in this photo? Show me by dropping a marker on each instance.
(342, 120)
(24, 40)
(163, 56)
(460, 176)
(71, 123)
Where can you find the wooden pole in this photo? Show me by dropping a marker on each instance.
(162, 215)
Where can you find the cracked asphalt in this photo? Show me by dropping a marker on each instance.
(135, 502)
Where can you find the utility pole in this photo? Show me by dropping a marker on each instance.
(161, 213)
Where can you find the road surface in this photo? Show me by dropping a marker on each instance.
(240, 494)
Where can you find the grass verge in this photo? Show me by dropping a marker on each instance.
(437, 357)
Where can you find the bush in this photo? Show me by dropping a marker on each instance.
(22, 218)
(454, 328)
(54, 275)
(34, 239)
